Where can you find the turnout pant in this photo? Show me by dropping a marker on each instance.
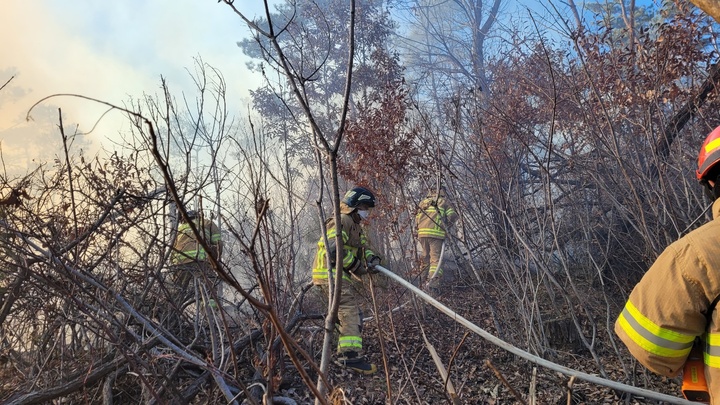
(187, 277)
(431, 250)
(189, 283)
(349, 318)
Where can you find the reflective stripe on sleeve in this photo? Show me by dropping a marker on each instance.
(350, 251)
(349, 258)
(651, 337)
(712, 350)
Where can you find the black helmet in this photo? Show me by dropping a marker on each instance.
(191, 214)
(359, 195)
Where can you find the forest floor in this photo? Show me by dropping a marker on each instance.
(479, 371)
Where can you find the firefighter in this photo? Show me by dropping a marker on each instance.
(674, 303)
(434, 216)
(359, 258)
(189, 260)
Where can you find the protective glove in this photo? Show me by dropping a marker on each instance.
(354, 267)
(371, 263)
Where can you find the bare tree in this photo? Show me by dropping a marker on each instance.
(87, 243)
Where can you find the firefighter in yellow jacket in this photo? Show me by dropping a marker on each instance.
(358, 258)
(189, 260)
(674, 303)
(434, 216)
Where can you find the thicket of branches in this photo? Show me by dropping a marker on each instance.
(570, 158)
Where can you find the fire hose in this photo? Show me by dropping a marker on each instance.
(528, 356)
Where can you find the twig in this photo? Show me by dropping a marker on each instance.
(8, 81)
(455, 352)
(569, 390)
(533, 387)
(505, 382)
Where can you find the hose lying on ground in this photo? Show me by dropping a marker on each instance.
(528, 356)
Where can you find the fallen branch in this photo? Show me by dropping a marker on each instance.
(99, 371)
(448, 385)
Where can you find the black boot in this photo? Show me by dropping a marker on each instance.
(356, 363)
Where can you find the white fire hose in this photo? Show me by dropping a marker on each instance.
(528, 356)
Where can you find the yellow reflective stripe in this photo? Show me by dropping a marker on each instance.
(651, 337)
(185, 229)
(713, 339)
(332, 232)
(320, 273)
(714, 144)
(444, 212)
(431, 232)
(712, 350)
(648, 345)
(350, 252)
(323, 274)
(656, 330)
(363, 239)
(349, 256)
(426, 213)
(190, 254)
(345, 342)
(711, 361)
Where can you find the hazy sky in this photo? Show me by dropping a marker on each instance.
(107, 50)
(113, 51)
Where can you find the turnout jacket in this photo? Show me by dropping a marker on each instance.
(357, 250)
(434, 214)
(187, 249)
(673, 303)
